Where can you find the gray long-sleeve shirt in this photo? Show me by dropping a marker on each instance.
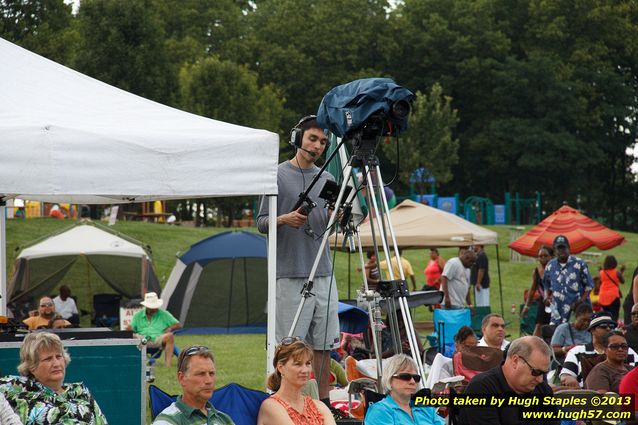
(296, 251)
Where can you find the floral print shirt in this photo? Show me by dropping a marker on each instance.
(567, 282)
(37, 404)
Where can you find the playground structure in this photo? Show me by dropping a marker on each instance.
(515, 210)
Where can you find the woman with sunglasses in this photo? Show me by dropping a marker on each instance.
(401, 381)
(606, 376)
(288, 406)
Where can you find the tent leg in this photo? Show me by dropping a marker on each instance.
(500, 283)
(272, 282)
(3, 258)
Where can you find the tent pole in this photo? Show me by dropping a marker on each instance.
(500, 283)
(3, 258)
(349, 271)
(272, 282)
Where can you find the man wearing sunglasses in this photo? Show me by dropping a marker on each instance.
(572, 373)
(196, 374)
(631, 330)
(522, 374)
(46, 312)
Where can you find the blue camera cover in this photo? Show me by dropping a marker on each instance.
(345, 108)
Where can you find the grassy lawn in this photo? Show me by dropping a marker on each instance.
(241, 358)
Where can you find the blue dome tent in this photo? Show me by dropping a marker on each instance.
(220, 285)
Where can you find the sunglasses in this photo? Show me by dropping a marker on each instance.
(606, 326)
(617, 347)
(289, 340)
(635, 313)
(535, 372)
(190, 351)
(46, 305)
(407, 377)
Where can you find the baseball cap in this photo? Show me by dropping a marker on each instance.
(601, 319)
(561, 240)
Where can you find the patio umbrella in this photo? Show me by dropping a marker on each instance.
(581, 231)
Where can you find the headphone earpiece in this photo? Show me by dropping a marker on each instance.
(296, 134)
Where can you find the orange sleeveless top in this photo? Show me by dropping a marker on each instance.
(310, 415)
(608, 287)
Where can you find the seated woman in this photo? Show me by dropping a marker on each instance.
(40, 395)
(401, 381)
(293, 366)
(606, 376)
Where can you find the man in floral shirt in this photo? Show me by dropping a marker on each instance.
(567, 280)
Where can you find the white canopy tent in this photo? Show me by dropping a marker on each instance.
(85, 240)
(67, 137)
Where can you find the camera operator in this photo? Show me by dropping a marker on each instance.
(298, 240)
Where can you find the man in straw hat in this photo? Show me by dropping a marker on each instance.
(156, 325)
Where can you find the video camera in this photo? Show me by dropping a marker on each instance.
(365, 110)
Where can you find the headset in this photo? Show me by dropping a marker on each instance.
(296, 134)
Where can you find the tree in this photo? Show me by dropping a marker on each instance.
(429, 141)
(123, 44)
(42, 26)
(306, 47)
(225, 91)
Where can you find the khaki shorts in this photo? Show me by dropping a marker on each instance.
(319, 320)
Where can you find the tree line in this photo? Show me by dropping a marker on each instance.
(512, 95)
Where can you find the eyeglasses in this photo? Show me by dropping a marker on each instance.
(46, 305)
(407, 376)
(535, 372)
(189, 352)
(635, 313)
(617, 347)
(606, 326)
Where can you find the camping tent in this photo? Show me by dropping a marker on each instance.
(417, 225)
(124, 265)
(67, 137)
(220, 285)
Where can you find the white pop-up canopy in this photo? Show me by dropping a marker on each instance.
(67, 137)
(83, 240)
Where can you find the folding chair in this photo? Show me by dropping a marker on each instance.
(240, 403)
(447, 323)
(154, 353)
(107, 310)
(477, 318)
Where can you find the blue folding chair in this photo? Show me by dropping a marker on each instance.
(447, 323)
(240, 403)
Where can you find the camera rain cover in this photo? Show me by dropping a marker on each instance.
(345, 108)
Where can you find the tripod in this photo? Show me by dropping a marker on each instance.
(395, 290)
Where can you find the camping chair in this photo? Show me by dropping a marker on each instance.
(570, 394)
(107, 310)
(475, 360)
(477, 318)
(240, 403)
(155, 353)
(447, 323)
